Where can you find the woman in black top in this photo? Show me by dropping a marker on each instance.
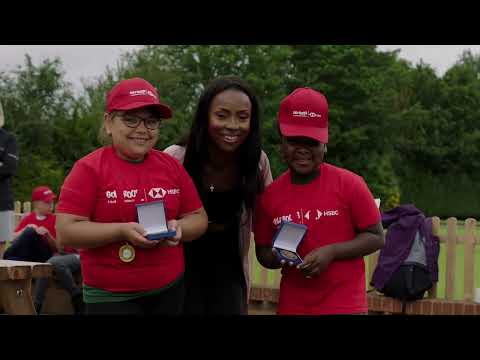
(223, 156)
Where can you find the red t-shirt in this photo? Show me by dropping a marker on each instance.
(105, 188)
(333, 206)
(48, 223)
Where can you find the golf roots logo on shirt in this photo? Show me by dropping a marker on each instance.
(305, 113)
(142, 92)
(111, 194)
(279, 219)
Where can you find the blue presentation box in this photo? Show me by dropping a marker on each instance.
(287, 239)
(152, 217)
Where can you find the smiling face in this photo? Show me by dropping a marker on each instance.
(42, 207)
(132, 143)
(302, 154)
(229, 119)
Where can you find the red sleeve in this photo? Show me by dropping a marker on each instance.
(364, 210)
(190, 200)
(23, 223)
(78, 193)
(263, 228)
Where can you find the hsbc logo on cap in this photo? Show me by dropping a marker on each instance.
(157, 193)
(305, 113)
(142, 92)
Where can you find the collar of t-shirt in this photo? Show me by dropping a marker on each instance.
(40, 217)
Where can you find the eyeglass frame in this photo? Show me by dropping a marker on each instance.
(138, 119)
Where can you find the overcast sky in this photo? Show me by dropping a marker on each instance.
(88, 61)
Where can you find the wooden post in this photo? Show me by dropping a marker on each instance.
(277, 278)
(27, 207)
(253, 259)
(451, 254)
(17, 213)
(469, 256)
(263, 277)
(432, 293)
(372, 264)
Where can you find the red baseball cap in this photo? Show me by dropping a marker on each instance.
(304, 113)
(43, 193)
(136, 93)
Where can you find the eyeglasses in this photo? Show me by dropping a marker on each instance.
(134, 121)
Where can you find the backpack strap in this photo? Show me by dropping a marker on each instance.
(408, 285)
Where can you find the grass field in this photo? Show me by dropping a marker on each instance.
(459, 266)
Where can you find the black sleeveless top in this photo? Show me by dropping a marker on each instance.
(217, 253)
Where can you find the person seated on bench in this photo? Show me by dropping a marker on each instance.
(35, 240)
(34, 237)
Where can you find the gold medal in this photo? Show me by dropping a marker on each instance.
(288, 254)
(127, 253)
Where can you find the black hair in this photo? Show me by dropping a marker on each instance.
(197, 154)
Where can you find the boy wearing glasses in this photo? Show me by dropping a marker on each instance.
(342, 218)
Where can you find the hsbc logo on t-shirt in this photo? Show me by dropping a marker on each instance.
(157, 193)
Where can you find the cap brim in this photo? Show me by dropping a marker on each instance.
(319, 134)
(163, 110)
(49, 198)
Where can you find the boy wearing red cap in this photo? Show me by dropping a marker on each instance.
(124, 272)
(34, 237)
(35, 240)
(335, 204)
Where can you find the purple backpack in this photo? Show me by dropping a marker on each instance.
(408, 263)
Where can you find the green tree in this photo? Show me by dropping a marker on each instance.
(37, 102)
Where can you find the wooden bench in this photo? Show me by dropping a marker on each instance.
(265, 283)
(16, 285)
(57, 300)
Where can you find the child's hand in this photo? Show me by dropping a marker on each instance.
(33, 226)
(317, 261)
(41, 230)
(175, 240)
(135, 234)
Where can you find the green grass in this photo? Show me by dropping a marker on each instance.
(459, 267)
